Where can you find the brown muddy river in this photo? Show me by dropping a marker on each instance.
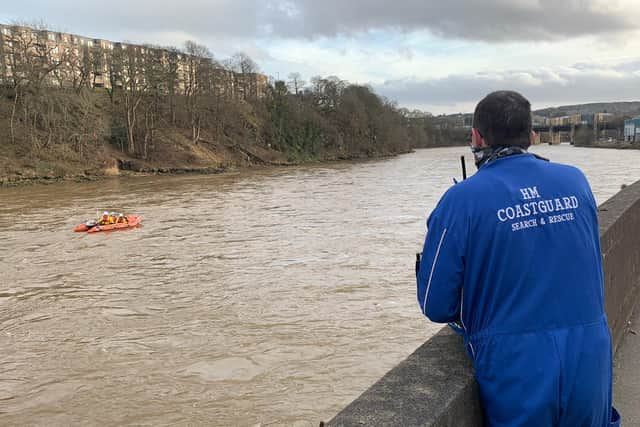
(269, 297)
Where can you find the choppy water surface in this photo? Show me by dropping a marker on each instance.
(268, 297)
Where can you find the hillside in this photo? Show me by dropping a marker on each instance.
(51, 133)
(617, 108)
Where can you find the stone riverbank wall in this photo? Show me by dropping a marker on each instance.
(435, 385)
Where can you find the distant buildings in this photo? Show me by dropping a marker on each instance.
(67, 60)
(571, 120)
(538, 121)
(632, 130)
(453, 121)
(417, 114)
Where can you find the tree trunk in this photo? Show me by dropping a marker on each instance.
(172, 109)
(130, 140)
(13, 115)
(195, 130)
(132, 107)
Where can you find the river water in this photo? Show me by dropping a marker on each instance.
(266, 297)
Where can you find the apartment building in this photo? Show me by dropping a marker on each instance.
(69, 60)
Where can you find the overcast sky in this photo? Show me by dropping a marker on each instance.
(437, 55)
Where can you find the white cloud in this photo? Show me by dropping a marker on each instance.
(544, 87)
(425, 50)
(490, 20)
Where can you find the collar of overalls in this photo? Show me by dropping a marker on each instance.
(486, 155)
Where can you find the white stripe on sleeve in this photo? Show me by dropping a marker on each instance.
(433, 267)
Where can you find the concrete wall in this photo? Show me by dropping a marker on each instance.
(435, 385)
(620, 240)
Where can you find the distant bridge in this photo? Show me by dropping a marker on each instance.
(547, 134)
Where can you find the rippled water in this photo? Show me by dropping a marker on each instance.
(269, 297)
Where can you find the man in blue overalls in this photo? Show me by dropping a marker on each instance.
(512, 259)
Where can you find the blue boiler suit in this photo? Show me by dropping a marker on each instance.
(512, 256)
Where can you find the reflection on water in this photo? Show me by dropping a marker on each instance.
(273, 296)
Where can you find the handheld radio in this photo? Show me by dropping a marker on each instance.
(463, 164)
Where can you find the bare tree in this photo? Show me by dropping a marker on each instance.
(30, 54)
(85, 68)
(70, 73)
(98, 59)
(134, 87)
(198, 79)
(245, 71)
(172, 67)
(32, 60)
(76, 65)
(157, 80)
(115, 70)
(63, 75)
(4, 71)
(296, 83)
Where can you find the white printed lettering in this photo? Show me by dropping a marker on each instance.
(542, 207)
(559, 206)
(575, 204)
(530, 193)
(524, 225)
(523, 211)
(550, 207)
(554, 219)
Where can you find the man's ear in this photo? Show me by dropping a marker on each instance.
(476, 139)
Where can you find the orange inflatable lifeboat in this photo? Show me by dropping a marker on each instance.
(95, 227)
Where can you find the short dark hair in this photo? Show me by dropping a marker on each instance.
(504, 118)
